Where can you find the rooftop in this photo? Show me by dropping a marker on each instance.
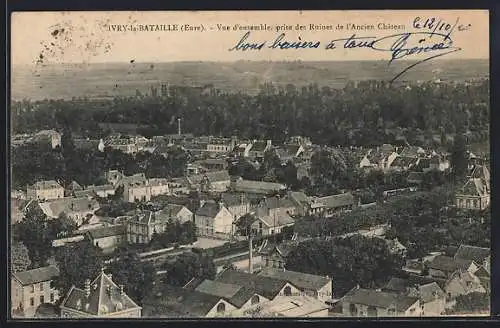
(49, 184)
(104, 298)
(378, 299)
(298, 279)
(335, 201)
(448, 264)
(37, 275)
(265, 286)
(103, 232)
(69, 205)
(472, 253)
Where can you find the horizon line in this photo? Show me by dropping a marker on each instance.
(236, 61)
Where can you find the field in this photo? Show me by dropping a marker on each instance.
(123, 79)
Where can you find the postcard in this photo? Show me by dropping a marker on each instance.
(255, 164)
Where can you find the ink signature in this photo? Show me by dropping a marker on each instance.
(403, 45)
(399, 46)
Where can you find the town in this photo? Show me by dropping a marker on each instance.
(128, 224)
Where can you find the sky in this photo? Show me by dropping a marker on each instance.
(84, 37)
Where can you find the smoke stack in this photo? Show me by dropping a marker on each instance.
(179, 126)
(87, 287)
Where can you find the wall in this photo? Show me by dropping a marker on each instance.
(45, 194)
(223, 221)
(159, 190)
(220, 186)
(434, 308)
(26, 295)
(109, 243)
(213, 312)
(185, 215)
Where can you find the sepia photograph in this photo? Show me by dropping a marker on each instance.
(249, 164)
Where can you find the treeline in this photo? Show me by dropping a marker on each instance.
(368, 114)
(34, 162)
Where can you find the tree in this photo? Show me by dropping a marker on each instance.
(20, 259)
(188, 266)
(33, 233)
(459, 159)
(61, 226)
(175, 232)
(352, 260)
(77, 262)
(136, 276)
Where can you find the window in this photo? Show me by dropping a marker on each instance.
(475, 203)
(221, 308)
(255, 300)
(32, 289)
(51, 297)
(267, 262)
(352, 309)
(42, 299)
(32, 301)
(41, 286)
(288, 291)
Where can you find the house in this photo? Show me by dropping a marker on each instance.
(302, 202)
(404, 163)
(221, 145)
(101, 298)
(240, 296)
(108, 238)
(432, 298)
(295, 306)
(136, 188)
(360, 302)
(289, 152)
(159, 186)
(53, 138)
(463, 282)
(31, 288)
(216, 181)
(380, 158)
(331, 205)
(126, 145)
(480, 255)
(256, 187)
(274, 256)
(175, 302)
(237, 203)
(395, 247)
(213, 218)
(272, 222)
(474, 195)
(45, 190)
(283, 204)
(414, 266)
(213, 164)
(114, 177)
(77, 209)
(102, 191)
(142, 226)
(269, 288)
(319, 287)
(258, 148)
(72, 187)
(444, 266)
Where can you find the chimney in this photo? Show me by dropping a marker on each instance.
(357, 286)
(110, 276)
(179, 126)
(269, 143)
(121, 290)
(221, 205)
(242, 199)
(87, 287)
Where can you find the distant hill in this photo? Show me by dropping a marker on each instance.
(123, 79)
